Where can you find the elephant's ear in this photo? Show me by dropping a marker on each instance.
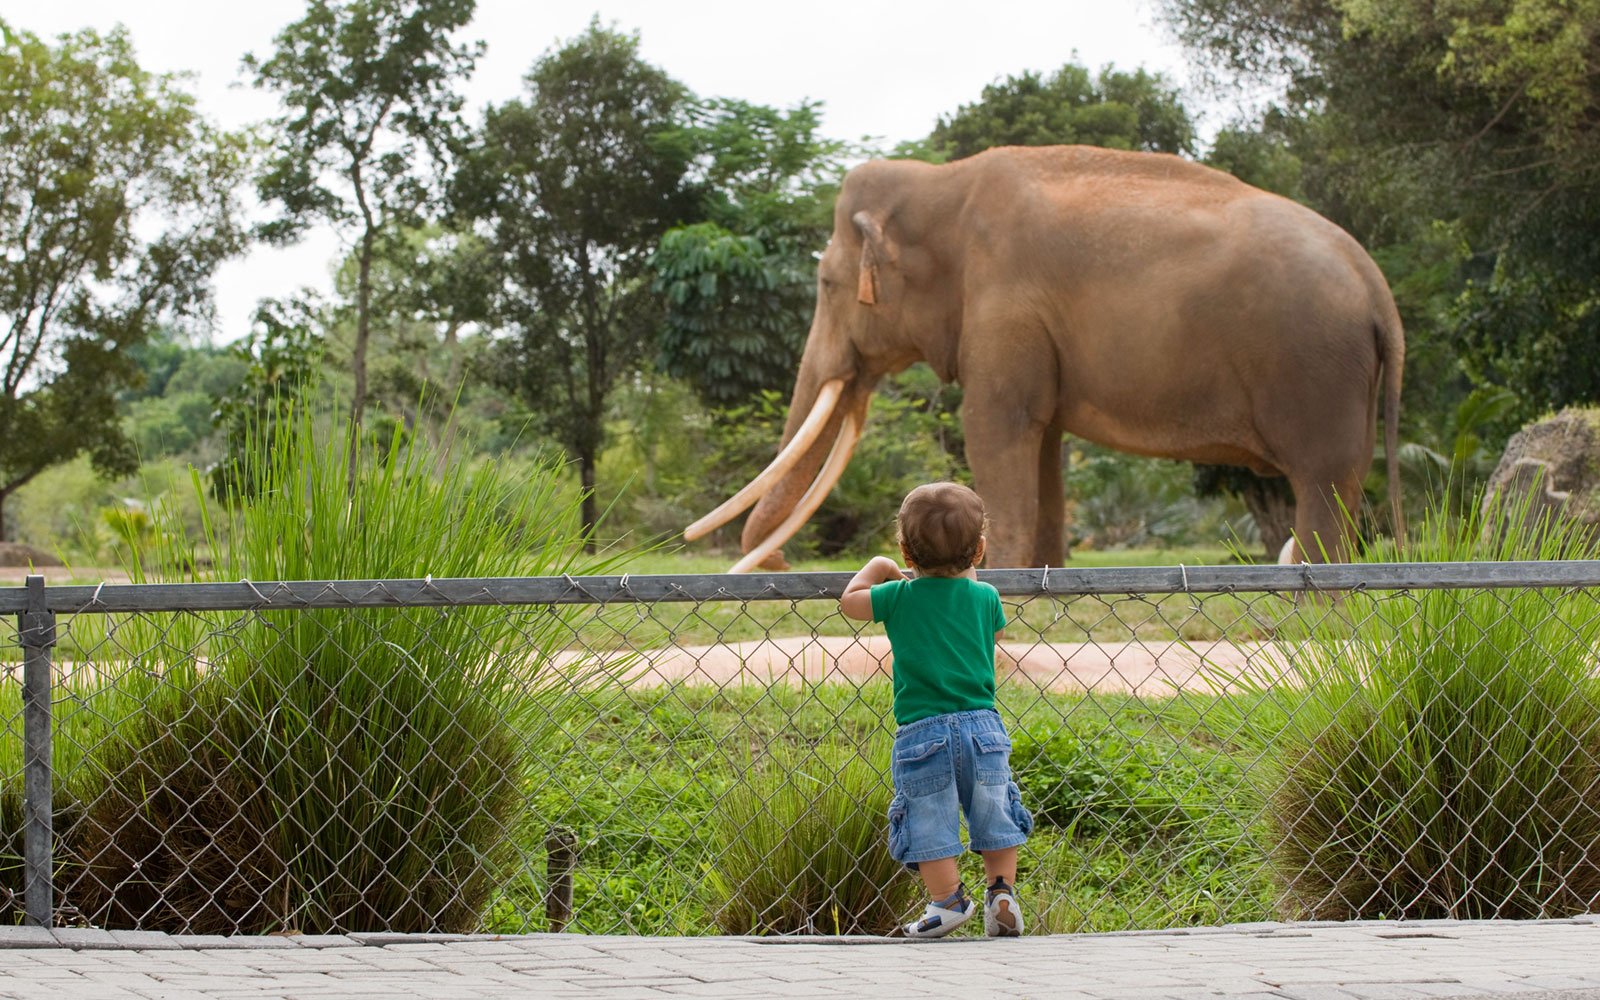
(874, 248)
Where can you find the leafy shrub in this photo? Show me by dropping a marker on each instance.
(1093, 785)
(1120, 500)
(801, 847)
(1445, 760)
(335, 770)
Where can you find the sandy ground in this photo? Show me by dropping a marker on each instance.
(1150, 670)
(1147, 669)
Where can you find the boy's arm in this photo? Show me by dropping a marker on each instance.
(857, 600)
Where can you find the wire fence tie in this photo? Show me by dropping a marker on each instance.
(263, 598)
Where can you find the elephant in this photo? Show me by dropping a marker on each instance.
(1139, 300)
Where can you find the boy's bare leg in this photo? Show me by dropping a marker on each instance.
(1001, 863)
(941, 877)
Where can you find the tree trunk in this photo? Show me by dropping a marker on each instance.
(452, 343)
(1271, 503)
(358, 357)
(3, 495)
(586, 463)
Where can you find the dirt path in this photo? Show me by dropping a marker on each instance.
(1150, 669)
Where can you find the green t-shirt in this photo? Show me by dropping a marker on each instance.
(942, 630)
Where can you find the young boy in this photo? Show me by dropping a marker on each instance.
(951, 753)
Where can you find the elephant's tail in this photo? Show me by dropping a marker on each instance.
(1392, 351)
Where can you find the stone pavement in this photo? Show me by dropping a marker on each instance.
(1375, 961)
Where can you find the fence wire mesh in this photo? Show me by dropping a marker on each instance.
(708, 754)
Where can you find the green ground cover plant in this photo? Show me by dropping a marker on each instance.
(1441, 756)
(799, 845)
(323, 770)
(640, 778)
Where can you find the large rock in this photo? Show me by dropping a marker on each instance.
(17, 554)
(1555, 463)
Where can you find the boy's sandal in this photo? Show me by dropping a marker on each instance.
(1001, 915)
(937, 921)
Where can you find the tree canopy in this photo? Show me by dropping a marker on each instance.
(739, 286)
(573, 186)
(370, 98)
(1115, 109)
(1481, 115)
(98, 154)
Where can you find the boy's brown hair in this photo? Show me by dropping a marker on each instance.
(941, 525)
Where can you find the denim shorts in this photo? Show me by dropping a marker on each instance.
(947, 765)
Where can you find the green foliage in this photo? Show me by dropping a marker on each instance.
(575, 184)
(800, 847)
(1258, 156)
(98, 153)
(368, 90)
(335, 770)
(1118, 110)
(282, 354)
(740, 287)
(1448, 476)
(59, 507)
(429, 285)
(1479, 116)
(1536, 332)
(1439, 755)
(1119, 500)
(737, 310)
(1095, 785)
(169, 425)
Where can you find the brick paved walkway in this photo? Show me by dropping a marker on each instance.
(1245, 962)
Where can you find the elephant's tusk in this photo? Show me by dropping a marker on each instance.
(804, 438)
(843, 447)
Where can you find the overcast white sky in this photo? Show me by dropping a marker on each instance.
(881, 69)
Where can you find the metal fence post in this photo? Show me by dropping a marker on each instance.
(561, 849)
(37, 632)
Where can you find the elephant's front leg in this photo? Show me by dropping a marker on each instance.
(1003, 449)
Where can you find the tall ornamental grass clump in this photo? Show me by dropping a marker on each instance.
(336, 770)
(800, 846)
(1443, 757)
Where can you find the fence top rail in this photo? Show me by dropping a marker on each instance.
(631, 589)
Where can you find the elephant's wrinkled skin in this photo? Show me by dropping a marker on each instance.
(1138, 300)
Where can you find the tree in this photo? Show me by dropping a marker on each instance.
(740, 286)
(430, 284)
(1137, 111)
(369, 90)
(97, 153)
(573, 187)
(1479, 116)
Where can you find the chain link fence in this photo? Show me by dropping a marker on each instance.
(710, 754)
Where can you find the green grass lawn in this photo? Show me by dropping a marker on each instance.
(1175, 844)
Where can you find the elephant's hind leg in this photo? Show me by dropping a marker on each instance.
(1326, 508)
(1049, 547)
